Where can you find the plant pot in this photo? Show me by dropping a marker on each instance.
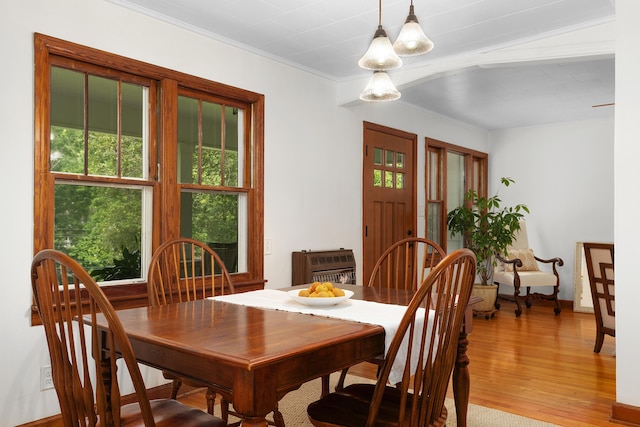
(486, 307)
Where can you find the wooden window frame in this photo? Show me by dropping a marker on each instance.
(166, 219)
(471, 181)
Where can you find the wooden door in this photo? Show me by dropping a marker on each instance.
(389, 190)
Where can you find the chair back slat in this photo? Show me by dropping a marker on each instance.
(185, 269)
(432, 323)
(65, 295)
(599, 260)
(406, 263)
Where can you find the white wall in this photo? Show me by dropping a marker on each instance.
(627, 226)
(313, 160)
(564, 174)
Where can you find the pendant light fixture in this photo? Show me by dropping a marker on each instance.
(380, 88)
(412, 40)
(380, 55)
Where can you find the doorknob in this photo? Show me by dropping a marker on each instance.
(409, 232)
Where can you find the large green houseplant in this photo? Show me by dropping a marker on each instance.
(487, 228)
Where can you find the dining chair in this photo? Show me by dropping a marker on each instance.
(600, 269)
(425, 344)
(404, 265)
(186, 269)
(65, 294)
(521, 269)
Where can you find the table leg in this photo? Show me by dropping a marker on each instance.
(461, 380)
(105, 372)
(325, 386)
(254, 422)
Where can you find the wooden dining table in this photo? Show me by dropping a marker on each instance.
(259, 355)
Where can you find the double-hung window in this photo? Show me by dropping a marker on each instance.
(129, 155)
(100, 170)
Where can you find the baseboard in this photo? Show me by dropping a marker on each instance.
(625, 414)
(159, 392)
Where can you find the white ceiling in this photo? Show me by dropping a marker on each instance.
(327, 37)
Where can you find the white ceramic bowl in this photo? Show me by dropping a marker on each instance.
(319, 302)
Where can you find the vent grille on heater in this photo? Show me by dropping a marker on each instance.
(336, 266)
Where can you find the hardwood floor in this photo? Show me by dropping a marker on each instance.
(543, 366)
(540, 366)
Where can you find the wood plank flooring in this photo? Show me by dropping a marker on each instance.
(543, 366)
(540, 366)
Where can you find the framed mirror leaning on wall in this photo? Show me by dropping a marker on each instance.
(582, 301)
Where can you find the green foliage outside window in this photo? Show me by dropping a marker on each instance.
(100, 226)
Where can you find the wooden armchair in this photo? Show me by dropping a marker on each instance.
(86, 397)
(404, 265)
(521, 269)
(600, 268)
(418, 399)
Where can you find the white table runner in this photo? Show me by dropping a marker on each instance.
(386, 315)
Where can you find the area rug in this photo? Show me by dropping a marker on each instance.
(294, 409)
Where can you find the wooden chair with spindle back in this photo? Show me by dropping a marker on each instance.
(425, 345)
(404, 265)
(186, 269)
(65, 294)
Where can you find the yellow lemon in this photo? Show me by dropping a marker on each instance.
(338, 292)
(313, 286)
(304, 293)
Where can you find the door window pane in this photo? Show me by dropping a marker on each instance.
(377, 178)
(388, 179)
(389, 156)
(377, 156)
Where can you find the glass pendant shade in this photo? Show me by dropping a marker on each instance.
(380, 88)
(412, 40)
(380, 55)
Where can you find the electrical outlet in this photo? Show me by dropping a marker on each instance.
(267, 246)
(46, 379)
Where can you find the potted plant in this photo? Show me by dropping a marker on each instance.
(487, 229)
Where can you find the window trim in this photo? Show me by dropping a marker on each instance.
(48, 51)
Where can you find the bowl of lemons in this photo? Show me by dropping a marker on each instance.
(321, 294)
